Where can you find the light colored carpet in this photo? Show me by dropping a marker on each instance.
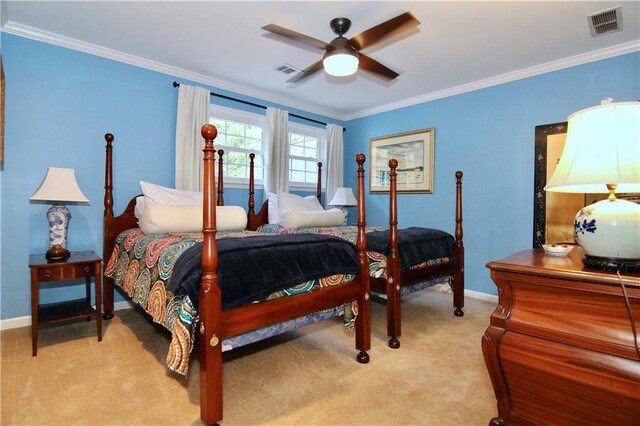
(308, 376)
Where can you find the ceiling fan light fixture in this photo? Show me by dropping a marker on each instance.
(340, 59)
(340, 64)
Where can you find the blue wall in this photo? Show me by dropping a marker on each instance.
(59, 104)
(489, 135)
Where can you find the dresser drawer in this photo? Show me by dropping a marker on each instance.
(65, 272)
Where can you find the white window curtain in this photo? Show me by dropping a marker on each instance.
(335, 163)
(193, 105)
(276, 152)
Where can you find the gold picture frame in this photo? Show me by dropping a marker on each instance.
(414, 152)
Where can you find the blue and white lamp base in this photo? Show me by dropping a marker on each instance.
(58, 217)
(609, 233)
(345, 212)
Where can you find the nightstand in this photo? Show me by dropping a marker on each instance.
(82, 264)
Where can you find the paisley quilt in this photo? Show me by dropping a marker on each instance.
(142, 265)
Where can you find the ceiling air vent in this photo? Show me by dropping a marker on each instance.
(286, 69)
(608, 21)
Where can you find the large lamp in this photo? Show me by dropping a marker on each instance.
(344, 197)
(602, 155)
(58, 186)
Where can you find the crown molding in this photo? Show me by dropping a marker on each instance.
(115, 55)
(596, 55)
(92, 49)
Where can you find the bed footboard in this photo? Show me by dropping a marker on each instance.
(396, 279)
(216, 324)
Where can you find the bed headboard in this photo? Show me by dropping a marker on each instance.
(255, 220)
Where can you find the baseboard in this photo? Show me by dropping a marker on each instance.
(481, 296)
(26, 321)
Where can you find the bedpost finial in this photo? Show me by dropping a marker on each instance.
(393, 163)
(459, 174)
(252, 156)
(361, 158)
(209, 131)
(109, 138)
(221, 152)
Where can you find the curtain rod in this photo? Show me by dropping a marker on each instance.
(176, 84)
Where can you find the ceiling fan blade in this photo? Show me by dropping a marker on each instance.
(371, 65)
(316, 66)
(384, 30)
(295, 36)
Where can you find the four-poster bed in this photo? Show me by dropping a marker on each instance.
(212, 322)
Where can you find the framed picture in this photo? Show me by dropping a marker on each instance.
(414, 152)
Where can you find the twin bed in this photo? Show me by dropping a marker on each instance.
(143, 273)
(197, 284)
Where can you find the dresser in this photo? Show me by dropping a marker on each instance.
(560, 347)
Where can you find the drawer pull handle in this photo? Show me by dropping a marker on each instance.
(46, 273)
(86, 269)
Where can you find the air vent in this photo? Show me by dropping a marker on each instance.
(286, 69)
(607, 21)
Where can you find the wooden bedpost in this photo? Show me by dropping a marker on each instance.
(319, 186)
(458, 252)
(108, 239)
(363, 320)
(210, 308)
(220, 201)
(393, 263)
(252, 201)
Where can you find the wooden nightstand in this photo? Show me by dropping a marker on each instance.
(82, 264)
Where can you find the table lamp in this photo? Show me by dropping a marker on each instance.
(58, 186)
(344, 197)
(602, 155)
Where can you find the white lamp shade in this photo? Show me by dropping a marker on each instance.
(602, 147)
(59, 185)
(343, 197)
(341, 64)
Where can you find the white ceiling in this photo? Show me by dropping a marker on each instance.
(459, 46)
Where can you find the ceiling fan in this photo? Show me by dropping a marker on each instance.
(342, 56)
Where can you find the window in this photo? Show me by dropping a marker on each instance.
(239, 134)
(306, 145)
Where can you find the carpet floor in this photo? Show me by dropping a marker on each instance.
(307, 376)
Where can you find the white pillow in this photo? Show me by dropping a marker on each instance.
(140, 206)
(272, 205)
(157, 194)
(293, 219)
(161, 218)
(296, 203)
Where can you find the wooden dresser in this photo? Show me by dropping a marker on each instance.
(560, 347)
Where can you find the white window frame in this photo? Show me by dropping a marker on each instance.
(232, 114)
(316, 132)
